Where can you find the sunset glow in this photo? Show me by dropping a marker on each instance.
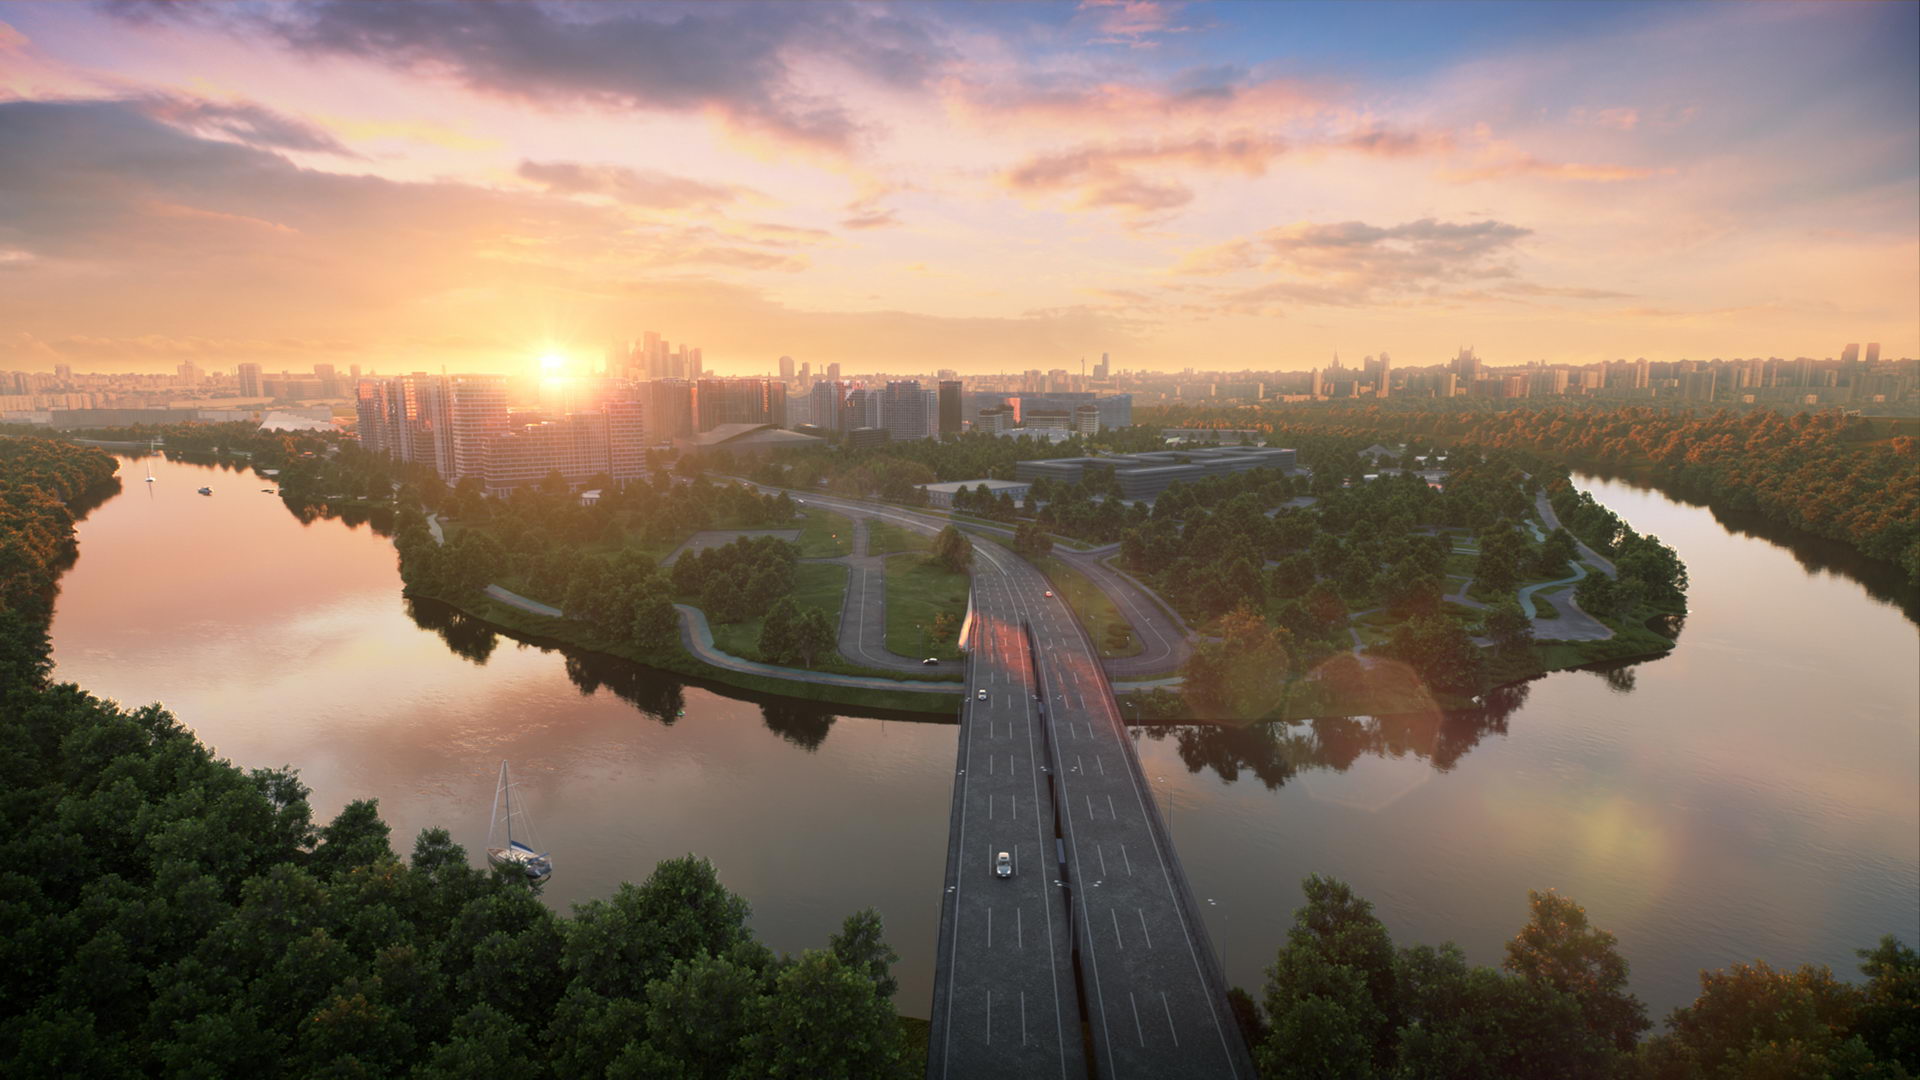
(981, 187)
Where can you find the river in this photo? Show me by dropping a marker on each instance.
(1754, 794)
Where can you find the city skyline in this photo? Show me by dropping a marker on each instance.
(976, 188)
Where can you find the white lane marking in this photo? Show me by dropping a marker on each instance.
(989, 928)
(1123, 855)
(1100, 850)
(1111, 810)
(1089, 807)
(1143, 927)
(1136, 1019)
(1118, 941)
(1020, 928)
(1170, 1028)
(1100, 764)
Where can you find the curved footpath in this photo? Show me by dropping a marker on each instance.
(863, 612)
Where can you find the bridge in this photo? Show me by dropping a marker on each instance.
(1091, 959)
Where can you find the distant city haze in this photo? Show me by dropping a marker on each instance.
(975, 188)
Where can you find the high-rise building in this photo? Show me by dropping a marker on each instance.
(828, 400)
(189, 373)
(1873, 353)
(950, 407)
(1850, 354)
(906, 411)
(670, 408)
(739, 401)
(608, 442)
(1086, 419)
(249, 379)
(786, 368)
(64, 372)
(473, 409)
(1103, 369)
(833, 371)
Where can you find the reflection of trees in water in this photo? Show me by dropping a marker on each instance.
(1274, 752)
(379, 518)
(647, 690)
(468, 637)
(1816, 554)
(801, 723)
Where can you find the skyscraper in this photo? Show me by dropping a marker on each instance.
(249, 377)
(1850, 354)
(950, 407)
(1386, 374)
(474, 410)
(786, 368)
(906, 411)
(833, 371)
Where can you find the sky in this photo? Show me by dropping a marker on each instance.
(984, 187)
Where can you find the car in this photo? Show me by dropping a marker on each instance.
(982, 695)
(931, 660)
(1003, 865)
(1049, 594)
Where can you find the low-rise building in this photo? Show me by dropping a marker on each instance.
(1144, 476)
(942, 494)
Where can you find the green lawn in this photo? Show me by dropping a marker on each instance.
(1091, 606)
(825, 534)
(885, 539)
(815, 585)
(1543, 608)
(917, 590)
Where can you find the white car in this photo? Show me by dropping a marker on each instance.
(1003, 865)
(982, 695)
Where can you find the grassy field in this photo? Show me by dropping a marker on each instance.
(825, 534)
(815, 585)
(677, 660)
(1091, 606)
(886, 539)
(917, 590)
(1543, 608)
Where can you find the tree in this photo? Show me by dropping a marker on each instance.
(1244, 674)
(952, 549)
(860, 946)
(1754, 1020)
(1031, 540)
(1510, 629)
(1559, 948)
(1332, 995)
(1889, 1018)
(1554, 555)
(655, 623)
(813, 635)
(825, 1019)
(776, 631)
(1442, 653)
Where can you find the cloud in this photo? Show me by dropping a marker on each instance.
(1108, 176)
(11, 40)
(1134, 23)
(1111, 174)
(870, 219)
(243, 122)
(740, 63)
(632, 187)
(1352, 262)
(200, 238)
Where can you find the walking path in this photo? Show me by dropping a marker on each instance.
(1593, 558)
(513, 599)
(863, 614)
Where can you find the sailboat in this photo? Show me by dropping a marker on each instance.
(516, 852)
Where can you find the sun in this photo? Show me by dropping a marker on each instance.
(552, 364)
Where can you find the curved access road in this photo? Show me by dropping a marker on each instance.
(1165, 639)
(697, 636)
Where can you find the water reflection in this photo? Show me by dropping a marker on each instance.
(1276, 753)
(1817, 554)
(467, 637)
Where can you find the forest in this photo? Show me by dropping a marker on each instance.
(1341, 1000)
(1834, 475)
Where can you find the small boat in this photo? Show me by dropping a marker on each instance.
(517, 851)
(206, 491)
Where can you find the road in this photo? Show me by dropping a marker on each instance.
(1148, 979)
(863, 615)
